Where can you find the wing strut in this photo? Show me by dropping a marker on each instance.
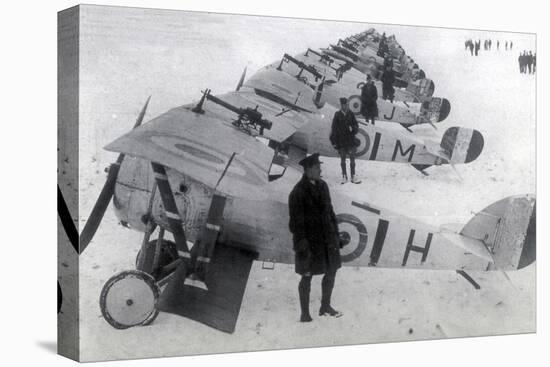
(171, 210)
(209, 235)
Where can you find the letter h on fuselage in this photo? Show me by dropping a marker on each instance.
(410, 247)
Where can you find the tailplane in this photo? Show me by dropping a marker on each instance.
(508, 230)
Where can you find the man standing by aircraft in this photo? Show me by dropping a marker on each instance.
(388, 61)
(369, 95)
(342, 137)
(387, 80)
(315, 236)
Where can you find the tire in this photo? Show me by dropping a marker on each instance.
(129, 299)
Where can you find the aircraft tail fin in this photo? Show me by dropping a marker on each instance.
(508, 230)
(462, 145)
(423, 88)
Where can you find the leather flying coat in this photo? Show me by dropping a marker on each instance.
(312, 218)
(344, 128)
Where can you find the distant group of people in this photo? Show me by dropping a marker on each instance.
(475, 46)
(527, 62)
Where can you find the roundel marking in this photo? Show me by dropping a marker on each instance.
(355, 233)
(364, 143)
(355, 104)
(206, 158)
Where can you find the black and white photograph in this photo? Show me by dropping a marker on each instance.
(317, 183)
(216, 171)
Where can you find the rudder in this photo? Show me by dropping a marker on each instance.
(461, 144)
(508, 230)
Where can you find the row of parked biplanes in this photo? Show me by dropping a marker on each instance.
(207, 173)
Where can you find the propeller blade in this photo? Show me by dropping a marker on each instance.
(241, 81)
(106, 194)
(139, 120)
(141, 115)
(99, 208)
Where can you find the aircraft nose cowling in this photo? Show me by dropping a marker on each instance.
(444, 110)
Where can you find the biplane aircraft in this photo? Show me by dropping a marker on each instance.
(411, 72)
(338, 84)
(302, 120)
(216, 199)
(364, 57)
(201, 172)
(420, 90)
(405, 69)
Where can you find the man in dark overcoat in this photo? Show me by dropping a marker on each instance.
(342, 137)
(387, 80)
(369, 96)
(315, 236)
(388, 61)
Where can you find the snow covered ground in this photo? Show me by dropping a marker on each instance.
(128, 54)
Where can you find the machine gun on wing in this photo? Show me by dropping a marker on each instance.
(248, 119)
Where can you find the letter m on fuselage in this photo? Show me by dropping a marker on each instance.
(399, 147)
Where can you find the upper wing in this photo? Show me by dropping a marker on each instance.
(280, 98)
(200, 146)
(282, 86)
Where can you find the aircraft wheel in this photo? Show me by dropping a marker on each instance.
(168, 253)
(129, 299)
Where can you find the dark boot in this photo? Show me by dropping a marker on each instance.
(303, 290)
(327, 285)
